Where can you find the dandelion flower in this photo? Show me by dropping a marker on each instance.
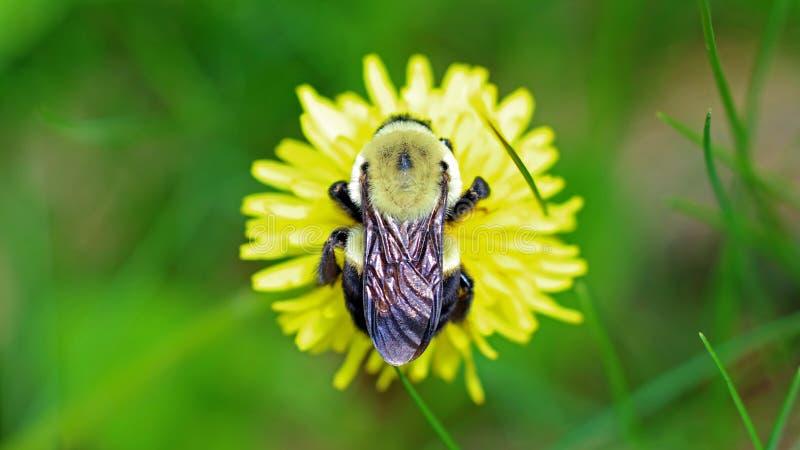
(508, 244)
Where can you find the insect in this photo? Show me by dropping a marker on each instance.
(402, 276)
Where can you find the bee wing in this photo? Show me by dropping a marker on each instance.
(402, 280)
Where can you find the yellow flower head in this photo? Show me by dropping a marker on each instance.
(507, 244)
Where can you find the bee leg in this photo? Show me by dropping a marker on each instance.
(465, 293)
(353, 296)
(450, 299)
(456, 298)
(341, 195)
(478, 191)
(328, 271)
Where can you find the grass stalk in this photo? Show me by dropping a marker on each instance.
(613, 368)
(780, 422)
(737, 400)
(526, 174)
(427, 413)
(775, 21)
(739, 131)
(722, 198)
(670, 386)
(732, 223)
(775, 188)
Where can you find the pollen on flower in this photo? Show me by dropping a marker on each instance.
(511, 249)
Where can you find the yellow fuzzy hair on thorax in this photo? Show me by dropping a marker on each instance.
(405, 170)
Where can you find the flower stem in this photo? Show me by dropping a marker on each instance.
(737, 400)
(427, 413)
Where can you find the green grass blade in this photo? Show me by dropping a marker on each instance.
(426, 412)
(722, 198)
(751, 430)
(613, 369)
(520, 165)
(775, 21)
(733, 225)
(780, 423)
(673, 384)
(480, 110)
(703, 213)
(739, 132)
(720, 153)
(777, 188)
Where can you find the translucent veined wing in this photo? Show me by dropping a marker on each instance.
(402, 279)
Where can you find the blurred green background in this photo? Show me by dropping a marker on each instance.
(126, 134)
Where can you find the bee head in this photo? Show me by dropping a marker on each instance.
(405, 163)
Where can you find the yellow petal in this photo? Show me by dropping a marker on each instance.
(342, 338)
(352, 362)
(339, 160)
(287, 178)
(273, 237)
(312, 300)
(490, 279)
(474, 387)
(460, 84)
(513, 334)
(543, 304)
(419, 78)
(311, 331)
(446, 360)
(309, 239)
(419, 368)
(514, 113)
(516, 315)
(539, 137)
(458, 337)
(483, 346)
(339, 333)
(556, 248)
(266, 250)
(315, 163)
(385, 378)
(548, 186)
(290, 323)
(461, 343)
(508, 261)
(479, 315)
(501, 317)
(571, 267)
(538, 160)
(283, 205)
(329, 120)
(379, 85)
(473, 147)
(552, 283)
(374, 362)
(355, 107)
(294, 273)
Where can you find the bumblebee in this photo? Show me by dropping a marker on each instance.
(402, 276)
